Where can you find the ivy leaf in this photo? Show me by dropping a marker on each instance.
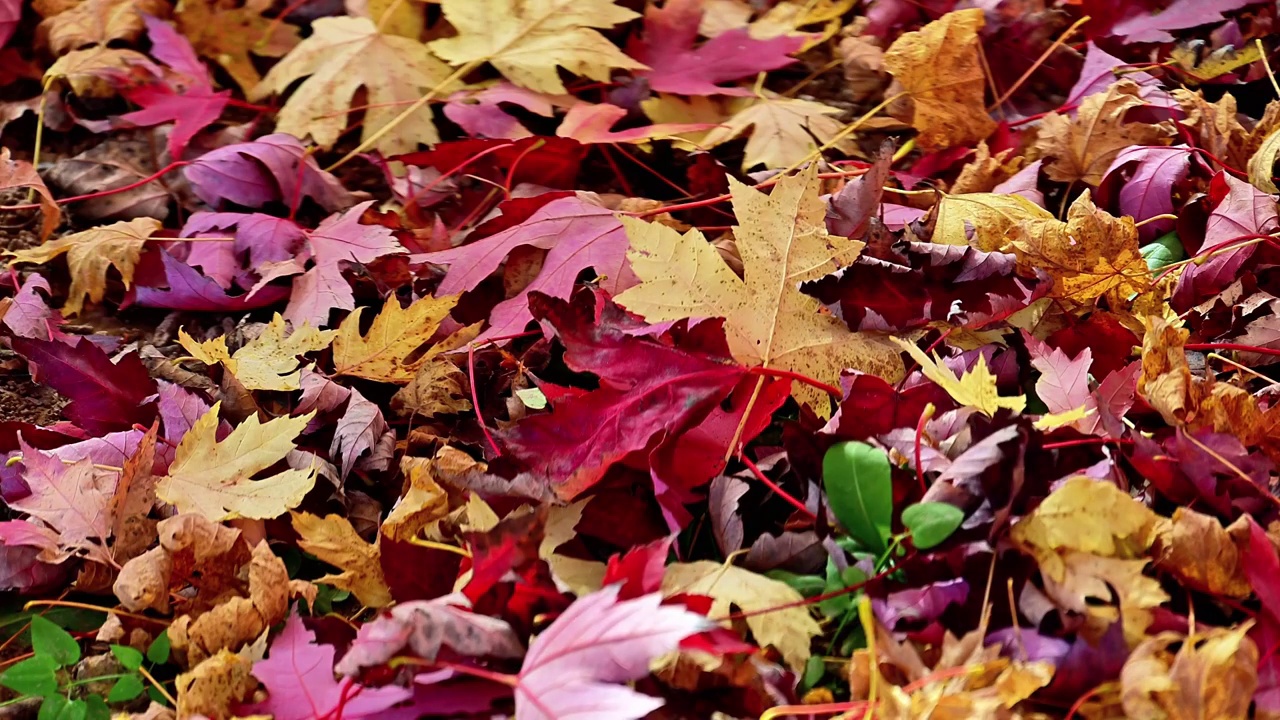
(860, 491)
(51, 641)
(930, 523)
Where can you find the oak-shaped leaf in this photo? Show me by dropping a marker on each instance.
(578, 665)
(783, 242)
(105, 396)
(214, 478)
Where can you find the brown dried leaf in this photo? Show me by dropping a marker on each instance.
(1196, 549)
(98, 22)
(1082, 149)
(132, 530)
(192, 550)
(1212, 675)
(1215, 125)
(425, 502)
(228, 33)
(214, 686)
(18, 174)
(985, 171)
(90, 254)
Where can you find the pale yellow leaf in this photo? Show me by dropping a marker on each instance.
(1053, 421)
(1262, 164)
(343, 55)
(88, 71)
(407, 18)
(335, 541)
(527, 40)
(214, 478)
(989, 222)
(269, 361)
(976, 388)
(90, 254)
(382, 353)
(784, 131)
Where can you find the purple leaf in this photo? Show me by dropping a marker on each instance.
(263, 237)
(362, 429)
(480, 115)
(1148, 192)
(29, 316)
(10, 15)
(726, 522)
(298, 674)
(849, 210)
(1243, 210)
(273, 168)
(1182, 14)
(575, 667)
(1097, 75)
(104, 396)
(923, 604)
(189, 290)
(21, 546)
(1025, 183)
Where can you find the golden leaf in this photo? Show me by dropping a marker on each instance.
(212, 478)
(1082, 149)
(383, 353)
(1196, 549)
(437, 387)
(269, 361)
(1212, 675)
(527, 40)
(425, 502)
(227, 33)
(784, 131)
(985, 171)
(976, 388)
(1216, 125)
(89, 255)
(940, 68)
(214, 686)
(1104, 590)
(87, 71)
(989, 222)
(581, 576)
(334, 541)
(789, 630)
(676, 109)
(343, 55)
(398, 17)
(1263, 163)
(783, 242)
(98, 22)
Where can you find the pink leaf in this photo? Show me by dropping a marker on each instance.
(575, 667)
(1242, 210)
(1149, 190)
(189, 290)
(1063, 384)
(21, 546)
(273, 168)
(362, 429)
(298, 674)
(675, 66)
(29, 316)
(10, 15)
(71, 499)
(578, 234)
(590, 124)
(1182, 14)
(480, 114)
(1098, 74)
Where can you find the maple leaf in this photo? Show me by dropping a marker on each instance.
(362, 428)
(105, 396)
(1179, 15)
(98, 22)
(343, 55)
(89, 72)
(676, 67)
(212, 477)
(783, 242)
(1148, 190)
(90, 253)
(298, 674)
(383, 352)
(986, 221)
(269, 361)
(1082, 149)
(578, 665)
(132, 532)
(526, 41)
(588, 124)
(940, 69)
(577, 233)
(262, 171)
(790, 630)
(228, 33)
(1242, 210)
(1212, 673)
(334, 541)
(18, 173)
(72, 499)
(1195, 548)
(975, 388)
(784, 131)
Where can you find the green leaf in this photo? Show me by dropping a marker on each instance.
(814, 669)
(157, 696)
(860, 491)
(131, 659)
(532, 398)
(158, 650)
(806, 585)
(57, 707)
(52, 641)
(97, 708)
(1164, 250)
(17, 620)
(931, 522)
(126, 689)
(33, 677)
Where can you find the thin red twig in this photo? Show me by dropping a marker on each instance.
(104, 193)
(475, 398)
(755, 470)
(1086, 441)
(445, 176)
(1233, 346)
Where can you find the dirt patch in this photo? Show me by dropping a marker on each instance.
(24, 401)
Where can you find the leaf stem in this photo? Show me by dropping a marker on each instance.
(97, 608)
(475, 398)
(158, 686)
(1044, 56)
(755, 470)
(493, 676)
(1233, 346)
(831, 390)
(104, 193)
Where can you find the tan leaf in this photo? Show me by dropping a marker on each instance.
(789, 630)
(334, 541)
(940, 69)
(90, 254)
(437, 387)
(1104, 590)
(985, 171)
(132, 530)
(382, 353)
(214, 686)
(783, 242)
(192, 550)
(343, 55)
(88, 71)
(784, 131)
(98, 22)
(399, 17)
(989, 222)
(581, 576)
(527, 40)
(425, 502)
(1211, 675)
(213, 477)
(1262, 164)
(1216, 125)
(1082, 149)
(1196, 549)
(269, 361)
(228, 33)
(18, 174)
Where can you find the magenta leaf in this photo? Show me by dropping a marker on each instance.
(263, 237)
(22, 544)
(71, 499)
(10, 15)
(298, 674)
(589, 124)
(29, 316)
(1242, 211)
(189, 290)
(676, 66)
(575, 667)
(480, 114)
(849, 210)
(104, 396)
(1148, 191)
(1147, 27)
(273, 168)
(1098, 74)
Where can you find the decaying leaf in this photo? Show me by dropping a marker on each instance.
(90, 254)
(1211, 675)
(215, 685)
(16, 174)
(1082, 149)
(228, 33)
(98, 22)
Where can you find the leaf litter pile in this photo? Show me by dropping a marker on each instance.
(593, 359)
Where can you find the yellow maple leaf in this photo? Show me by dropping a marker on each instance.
(784, 131)
(676, 109)
(269, 361)
(940, 69)
(783, 241)
(98, 22)
(335, 541)
(1263, 163)
(228, 32)
(90, 254)
(1196, 549)
(1081, 149)
(975, 388)
(526, 40)
(730, 587)
(213, 478)
(423, 504)
(989, 222)
(382, 353)
(343, 55)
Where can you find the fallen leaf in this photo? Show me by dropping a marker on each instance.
(769, 323)
(213, 477)
(90, 254)
(213, 687)
(1211, 674)
(105, 396)
(1179, 15)
(192, 550)
(90, 71)
(228, 33)
(269, 361)
(16, 174)
(72, 499)
(975, 387)
(940, 70)
(989, 222)
(528, 41)
(98, 22)
(1082, 149)
(334, 541)
(589, 124)
(784, 131)
(272, 168)
(1148, 189)
(383, 353)
(1196, 549)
